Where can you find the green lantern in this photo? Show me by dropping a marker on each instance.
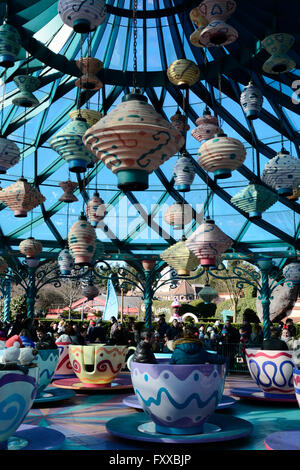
(207, 294)
(254, 199)
(180, 258)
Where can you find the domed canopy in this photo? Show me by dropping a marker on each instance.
(133, 226)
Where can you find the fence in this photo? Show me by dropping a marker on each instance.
(237, 361)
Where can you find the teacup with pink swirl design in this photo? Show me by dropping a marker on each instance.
(97, 363)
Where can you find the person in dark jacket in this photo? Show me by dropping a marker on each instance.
(274, 343)
(190, 350)
(144, 352)
(44, 341)
(119, 336)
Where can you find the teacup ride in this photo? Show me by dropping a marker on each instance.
(164, 358)
(64, 369)
(18, 390)
(96, 367)
(179, 403)
(287, 440)
(272, 372)
(47, 361)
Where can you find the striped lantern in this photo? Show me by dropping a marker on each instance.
(278, 45)
(207, 126)
(90, 115)
(217, 32)
(133, 140)
(282, 173)
(291, 272)
(92, 207)
(68, 187)
(90, 291)
(30, 247)
(10, 45)
(208, 294)
(178, 215)
(9, 154)
(68, 144)
(89, 67)
(25, 97)
(221, 155)
(184, 173)
(82, 241)
(184, 73)
(180, 258)
(208, 242)
(21, 197)
(251, 100)
(3, 265)
(82, 20)
(254, 199)
(65, 262)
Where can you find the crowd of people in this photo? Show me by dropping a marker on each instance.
(162, 338)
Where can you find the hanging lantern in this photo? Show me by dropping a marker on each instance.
(82, 19)
(184, 172)
(132, 141)
(3, 265)
(254, 199)
(68, 144)
(148, 264)
(217, 32)
(68, 187)
(10, 45)
(291, 272)
(90, 291)
(90, 115)
(30, 247)
(184, 73)
(26, 84)
(208, 126)
(278, 45)
(221, 155)
(179, 121)
(65, 262)
(282, 173)
(180, 258)
(208, 242)
(82, 241)
(208, 294)
(178, 215)
(9, 154)
(21, 197)
(251, 101)
(201, 23)
(89, 67)
(92, 209)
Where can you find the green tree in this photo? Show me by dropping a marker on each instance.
(18, 305)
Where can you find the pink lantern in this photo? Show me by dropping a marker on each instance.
(208, 242)
(178, 215)
(93, 215)
(89, 67)
(208, 126)
(82, 241)
(30, 247)
(21, 197)
(221, 155)
(148, 264)
(217, 32)
(68, 187)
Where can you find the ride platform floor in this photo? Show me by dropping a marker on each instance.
(82, 420)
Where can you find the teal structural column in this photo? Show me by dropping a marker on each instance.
(148, 290)
(31, 292)
(265, 294)
(7, 299)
